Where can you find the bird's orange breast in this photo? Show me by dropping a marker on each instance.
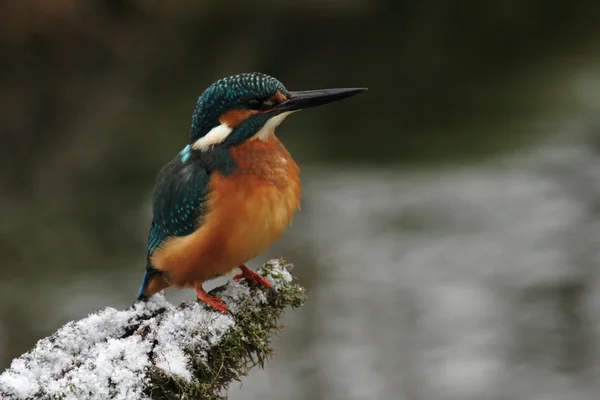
(247, 211)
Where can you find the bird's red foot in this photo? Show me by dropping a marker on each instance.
(251, 277)
(212, 301)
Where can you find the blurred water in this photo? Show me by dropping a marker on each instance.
(474, 282)
(461, 283)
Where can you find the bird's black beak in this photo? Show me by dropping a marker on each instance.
(314, 98)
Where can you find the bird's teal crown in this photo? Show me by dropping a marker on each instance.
(237, 91)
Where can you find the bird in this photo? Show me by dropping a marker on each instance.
(233, 189)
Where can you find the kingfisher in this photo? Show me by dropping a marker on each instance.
(232, 191)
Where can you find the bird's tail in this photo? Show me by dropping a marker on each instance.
(153, 282)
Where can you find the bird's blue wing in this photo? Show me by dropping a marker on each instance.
(179, 201)
(178, 206)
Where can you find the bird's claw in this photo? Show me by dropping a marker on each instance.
(252, 277)
(219, 306)
(214, 302)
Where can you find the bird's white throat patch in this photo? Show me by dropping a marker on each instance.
(268, 128)
(215, 136)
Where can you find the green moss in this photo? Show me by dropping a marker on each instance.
(246, 345)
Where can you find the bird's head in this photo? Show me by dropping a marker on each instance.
(251, 105)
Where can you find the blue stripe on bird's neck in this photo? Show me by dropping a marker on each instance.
(185, 153)
(213, 159)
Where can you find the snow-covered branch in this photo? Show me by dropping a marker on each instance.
(156, 350)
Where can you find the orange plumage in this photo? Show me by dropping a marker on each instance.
(247, 211)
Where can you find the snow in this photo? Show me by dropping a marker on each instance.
(81, 356)
(280, 275)
(99, 357)
(172, 335)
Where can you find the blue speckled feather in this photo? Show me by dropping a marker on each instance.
(178, 201)
(180, 193)
(229, 93)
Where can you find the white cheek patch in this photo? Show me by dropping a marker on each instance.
(215, 136)
(268, 128)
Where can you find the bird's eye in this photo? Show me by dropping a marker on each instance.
(254, 104)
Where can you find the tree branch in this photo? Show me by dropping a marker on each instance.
(157, 350)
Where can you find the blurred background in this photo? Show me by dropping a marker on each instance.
(449, 236)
